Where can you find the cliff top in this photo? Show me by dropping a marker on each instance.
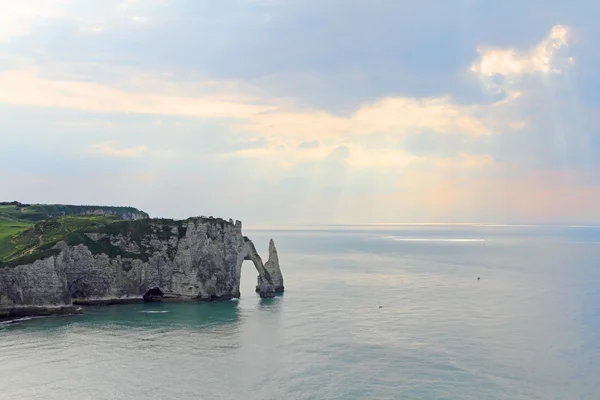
(16, 217)
(27, 239)
(38, 212)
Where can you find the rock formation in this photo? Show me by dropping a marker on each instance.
(199, 259)
(272, 269)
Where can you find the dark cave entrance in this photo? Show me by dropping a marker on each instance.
(154, 294)
(78, 294)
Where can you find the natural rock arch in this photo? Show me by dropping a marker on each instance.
(269, 280)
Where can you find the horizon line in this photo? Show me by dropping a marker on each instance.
(391, 224)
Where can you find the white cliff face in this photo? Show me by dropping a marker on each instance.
(127, 215)
(196, 259)
(39, 287)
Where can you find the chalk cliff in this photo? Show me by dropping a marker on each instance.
(197, 259)
(126, 214)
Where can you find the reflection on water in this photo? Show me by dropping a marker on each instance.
(273, 304)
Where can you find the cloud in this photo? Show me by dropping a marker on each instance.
(313, 144)
(128, 4)
(285, 129)
(22, 18)
(294, 107)
(84, 124)
(106, 149)
(467, 161)
(397, 116)
(512, 65)
(91, 29)
(272, 118)
(17, 17)
(280, 121)
(25, 87)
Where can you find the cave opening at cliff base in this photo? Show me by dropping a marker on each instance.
(153, 294)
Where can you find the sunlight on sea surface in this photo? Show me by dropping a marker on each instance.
(370, 312)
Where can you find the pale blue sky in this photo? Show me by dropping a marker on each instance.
(275, 111)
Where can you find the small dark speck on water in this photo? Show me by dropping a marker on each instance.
(380, 306)
(478, 278)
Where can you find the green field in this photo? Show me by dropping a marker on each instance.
(39, 212)
(11, 223)
(9, 227)
(32, 213)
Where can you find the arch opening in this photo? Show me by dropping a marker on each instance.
(249, 275)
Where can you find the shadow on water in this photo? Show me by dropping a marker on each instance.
(144, 315)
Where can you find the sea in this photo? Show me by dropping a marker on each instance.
(429, 311)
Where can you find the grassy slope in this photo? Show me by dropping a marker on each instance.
(9, 227)
(33, 213)
(26, 228)
(36, 241)
(10, 224)
(24, 239)
(39, 212)
(28, 240)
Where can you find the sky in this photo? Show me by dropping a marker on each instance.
(305, 112)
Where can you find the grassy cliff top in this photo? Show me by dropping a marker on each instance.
(39, 212)
(24, 227)
(16, 216)
(27, 241)
(22, 241)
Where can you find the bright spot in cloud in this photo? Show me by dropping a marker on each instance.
(107, 149)
(512, 64)
(91, 29)
(17, 16)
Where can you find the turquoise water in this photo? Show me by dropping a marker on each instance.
(529, 329)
